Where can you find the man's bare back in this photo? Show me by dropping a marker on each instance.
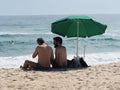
(60, 56)
(45, 55)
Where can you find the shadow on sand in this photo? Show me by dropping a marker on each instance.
(61, 69)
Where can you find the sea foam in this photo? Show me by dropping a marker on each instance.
(91, 59)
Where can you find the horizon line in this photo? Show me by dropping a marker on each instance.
(59, 14)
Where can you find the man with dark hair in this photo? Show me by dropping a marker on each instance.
(60, 53)
(45, 57)
(40, 41)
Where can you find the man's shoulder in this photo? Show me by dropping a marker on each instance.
(49, 47)
(37, 47)
(61, 47)
(41, 47)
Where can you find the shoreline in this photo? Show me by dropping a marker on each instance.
(92, 59)
(99, 77)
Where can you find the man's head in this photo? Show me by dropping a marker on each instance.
(57, 41)
(40, 41)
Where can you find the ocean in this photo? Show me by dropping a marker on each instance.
(18, 36)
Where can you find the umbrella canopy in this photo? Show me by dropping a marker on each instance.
(78, 26)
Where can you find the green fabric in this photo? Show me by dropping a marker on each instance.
(87, 27)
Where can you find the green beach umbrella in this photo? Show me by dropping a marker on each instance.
(77, 26)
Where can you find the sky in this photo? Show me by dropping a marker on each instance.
(56, 7)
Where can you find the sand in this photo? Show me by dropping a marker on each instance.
(100, 77)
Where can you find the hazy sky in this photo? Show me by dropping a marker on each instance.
(38, 7)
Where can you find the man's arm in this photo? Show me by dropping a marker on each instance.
(35, 53)
(56, 54)
(52, 57)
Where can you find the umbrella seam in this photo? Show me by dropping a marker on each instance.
(84, 27)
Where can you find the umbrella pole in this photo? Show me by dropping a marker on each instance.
(77, 38)
(77, 48)
(84, 52)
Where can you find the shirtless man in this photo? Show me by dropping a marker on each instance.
(45, 57)
(60, 54)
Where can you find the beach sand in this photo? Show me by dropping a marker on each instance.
(100, 77)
